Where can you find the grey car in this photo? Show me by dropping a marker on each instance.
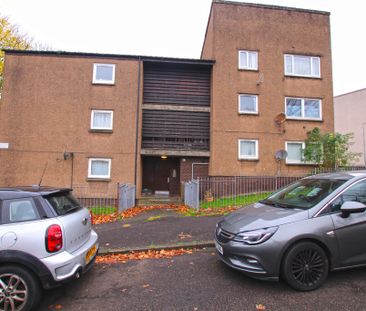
(46, 239)
(299, 233)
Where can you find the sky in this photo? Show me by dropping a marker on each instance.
(174, 28)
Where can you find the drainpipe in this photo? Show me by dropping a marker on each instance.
(137, 119)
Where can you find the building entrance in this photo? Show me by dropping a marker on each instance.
(161, 176)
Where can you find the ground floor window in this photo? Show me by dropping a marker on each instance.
(295, 152)
(248, 149)
(99, 168)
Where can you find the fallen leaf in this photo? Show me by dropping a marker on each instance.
(260, 307)
(126, 226)
(184, 236)
(150, 254)
(146, 285)
(58, 307)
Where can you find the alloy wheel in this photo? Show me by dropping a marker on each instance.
(13, 292)
(308, 267)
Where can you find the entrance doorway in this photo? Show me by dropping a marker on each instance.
(161, 176)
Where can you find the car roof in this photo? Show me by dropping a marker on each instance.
(29, 191)
(340, 175)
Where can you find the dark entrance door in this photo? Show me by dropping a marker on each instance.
(161, 175)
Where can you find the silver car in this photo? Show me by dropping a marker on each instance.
(299, 233)
(46, 239)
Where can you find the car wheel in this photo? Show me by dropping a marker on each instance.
(305, 266)
(19, 289)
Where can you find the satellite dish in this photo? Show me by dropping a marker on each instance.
(281, 154)
(280, 118)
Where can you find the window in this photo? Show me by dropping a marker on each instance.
(103, 73)
(22, 210)
(248, 149)
(63, 203)
(303, 108)
(248, 60)
(99, 168)
(295, 152)
(302, 66)
(248, 103)
(101, 120)
(356, 193)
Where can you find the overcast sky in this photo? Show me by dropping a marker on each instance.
(174, 28)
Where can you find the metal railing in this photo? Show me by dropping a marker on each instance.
(228, 191)
(105, 199)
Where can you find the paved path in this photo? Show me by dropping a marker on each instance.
(154, 229)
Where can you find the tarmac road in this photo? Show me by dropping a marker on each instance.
(198, 282)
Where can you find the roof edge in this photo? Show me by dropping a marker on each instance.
(115, 56)
(269, 6)
(351, 92)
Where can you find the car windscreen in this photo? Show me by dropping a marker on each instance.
(303, 194)
(63, 203)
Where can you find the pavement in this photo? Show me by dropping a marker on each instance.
(156, 229)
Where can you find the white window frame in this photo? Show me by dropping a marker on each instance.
(108, 176)
(248, 111)
(98, 81)
(93, 127)
(302, 161)
(245, 157)
(303, 117)
(247, 56)
(312, 74)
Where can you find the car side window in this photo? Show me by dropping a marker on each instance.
(356, 193)
(22, 210)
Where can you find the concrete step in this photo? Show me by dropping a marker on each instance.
(158, 200)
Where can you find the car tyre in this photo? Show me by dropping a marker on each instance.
(305, 266)
(19, 289)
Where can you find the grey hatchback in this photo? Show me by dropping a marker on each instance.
(299, 233)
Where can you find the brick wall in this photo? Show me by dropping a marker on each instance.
(199, 170)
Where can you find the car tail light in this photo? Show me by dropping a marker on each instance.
(91, 217)
(53, 238)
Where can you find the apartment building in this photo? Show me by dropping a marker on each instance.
(264, 79)
(271, 84)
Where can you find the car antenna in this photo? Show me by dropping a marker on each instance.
(44, 170)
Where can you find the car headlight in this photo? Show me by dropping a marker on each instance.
(256, 236)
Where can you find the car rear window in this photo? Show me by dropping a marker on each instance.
(63, 203)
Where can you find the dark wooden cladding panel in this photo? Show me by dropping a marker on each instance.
(177, 84)
(183, 130)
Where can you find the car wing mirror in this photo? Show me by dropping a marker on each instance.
(350, 207)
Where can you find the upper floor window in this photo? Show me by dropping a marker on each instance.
(248, 60)
(303, 108)
(248, 149)
(248, 103)
(101, 120)
(103, 73)
(302, 66)
(99, 168)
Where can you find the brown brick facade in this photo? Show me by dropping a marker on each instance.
(48, 97)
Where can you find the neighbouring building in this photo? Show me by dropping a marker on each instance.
(94, 120)
(350, 117)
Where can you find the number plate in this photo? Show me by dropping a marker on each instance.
(219, 248)
(90, 254)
